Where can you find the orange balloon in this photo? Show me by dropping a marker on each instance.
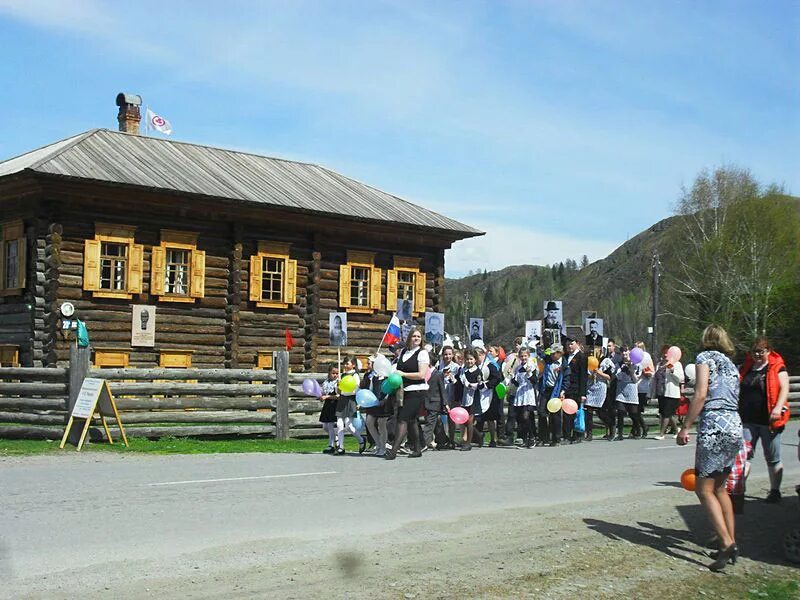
(593, 363)
(688, 480)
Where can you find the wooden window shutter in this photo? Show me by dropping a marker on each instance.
(290, 282)
(157, 274)
(197, 289)
(256, 270)
(375, 289)
(22, 249)
(91, 265)
(419, 292)
(344, 285)
(391, 290)
(2, 260)
(135, 269)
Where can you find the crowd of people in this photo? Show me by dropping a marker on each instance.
(734, 408)
(504, 395)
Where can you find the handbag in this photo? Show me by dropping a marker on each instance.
(580, 420)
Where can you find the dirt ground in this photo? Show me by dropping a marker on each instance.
(643, 546)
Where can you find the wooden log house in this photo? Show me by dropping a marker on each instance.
(232, 249)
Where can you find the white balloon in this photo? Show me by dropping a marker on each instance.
(689, 371)
(382, 366)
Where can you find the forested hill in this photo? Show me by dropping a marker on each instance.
(617, 287)
(743, 272)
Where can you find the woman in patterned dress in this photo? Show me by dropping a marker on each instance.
(719, 436)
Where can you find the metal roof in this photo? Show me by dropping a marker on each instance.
(122, 158)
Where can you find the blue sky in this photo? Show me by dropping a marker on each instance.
(560, 128)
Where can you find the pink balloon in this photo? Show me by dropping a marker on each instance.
(569, 406)
(459, 415)
(674, 354)
(428, 374)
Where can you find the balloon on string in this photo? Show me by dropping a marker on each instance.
(395, 380)
(554, 405)
(689, 480)
(593, 363)
(540, 365)
(366, 399)
(382, 366)
(309, 388)
(501, 390)
(348, 384)
(637, 356)
(459, 415)
(690, 371)
(674, 354)
(428, 374)
(569, 406)
(386, 387)
(317, 389)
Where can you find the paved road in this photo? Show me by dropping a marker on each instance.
(72, 510)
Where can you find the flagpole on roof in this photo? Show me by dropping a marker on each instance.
(146, 120)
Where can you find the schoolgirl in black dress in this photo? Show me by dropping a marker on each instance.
(330, 394)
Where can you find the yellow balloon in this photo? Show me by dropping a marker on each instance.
(348, 384)
(554, 405)
(593, 363)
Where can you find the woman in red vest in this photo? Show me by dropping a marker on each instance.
(763, 407)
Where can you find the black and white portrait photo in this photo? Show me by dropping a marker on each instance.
(405, 309)
(593, 327)
(434, 328)
(337, 328)
(553, 317)
(533, 332)
(475, 328)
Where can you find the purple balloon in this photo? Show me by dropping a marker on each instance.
(308, 386)
(317, 389)
(637, 355)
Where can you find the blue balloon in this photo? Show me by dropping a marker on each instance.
(366, 399)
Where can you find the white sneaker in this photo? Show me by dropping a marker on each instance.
(658, 437)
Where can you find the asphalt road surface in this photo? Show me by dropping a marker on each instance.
(66, 516)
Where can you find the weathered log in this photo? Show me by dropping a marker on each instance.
(33, 403)
(33, 389)
(205, 416)
(200, 402)
(201, 375)
(190, 431)
(31, 432)
(26, 418)
(33, 373)
(189, 389)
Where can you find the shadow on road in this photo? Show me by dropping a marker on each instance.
(676, 543)
(759, 531)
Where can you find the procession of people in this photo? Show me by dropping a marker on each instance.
(449, 397)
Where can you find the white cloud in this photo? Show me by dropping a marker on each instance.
(505, 245)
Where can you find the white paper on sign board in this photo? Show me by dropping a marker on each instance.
(87, 398)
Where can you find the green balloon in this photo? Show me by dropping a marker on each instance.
(395, 380)
(501, 390)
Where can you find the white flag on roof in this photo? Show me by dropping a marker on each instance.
(158, 123)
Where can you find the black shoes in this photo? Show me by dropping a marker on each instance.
(390, 455)
(415, 454)
(728, 555)
(465, 448)
(362, 446)
(774, 497)
(339, 451)
(492, 444)
(329, 450)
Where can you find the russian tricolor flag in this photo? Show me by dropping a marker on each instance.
(392, 334)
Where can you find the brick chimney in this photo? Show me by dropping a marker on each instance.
(129, 115)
